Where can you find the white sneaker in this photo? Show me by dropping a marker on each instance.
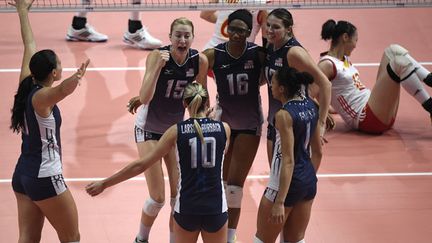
(85, 34)
(141, 39)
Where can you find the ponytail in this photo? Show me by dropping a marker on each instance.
(332, 31)
(196, 96)
(41, 65)
(20, 100)
(194, 107)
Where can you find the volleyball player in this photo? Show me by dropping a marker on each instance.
(284, 50)
(237, 66)
(168, 71)
(288, 198)
(371, 111)
(38, 183)
(200, 142)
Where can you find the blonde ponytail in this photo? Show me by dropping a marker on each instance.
(195, 96)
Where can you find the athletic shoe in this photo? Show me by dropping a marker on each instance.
(141, 39)
(88, 33)
(140, 241)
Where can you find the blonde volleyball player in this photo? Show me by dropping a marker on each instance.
(169, 70)
(200, 142)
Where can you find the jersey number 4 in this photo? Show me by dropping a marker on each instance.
(208, 152)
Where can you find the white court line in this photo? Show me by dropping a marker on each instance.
(259, 177)
(17, 70)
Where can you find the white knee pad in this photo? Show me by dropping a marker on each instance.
(402, 67)
(394, 50)
(151, 207)
(257, 240)
(234, 195)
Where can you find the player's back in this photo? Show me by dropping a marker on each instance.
(200, 184)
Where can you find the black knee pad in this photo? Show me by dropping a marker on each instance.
(427, 105)
(428, 80)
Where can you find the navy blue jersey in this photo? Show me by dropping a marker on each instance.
(200, 187)
(237, 81)
(41, 147)
(304, 115)
(166, 107)
(276, 59)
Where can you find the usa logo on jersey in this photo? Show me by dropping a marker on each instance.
(190, 72)
(249, 65)
(279, 62)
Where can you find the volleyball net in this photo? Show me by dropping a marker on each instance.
(181, 5)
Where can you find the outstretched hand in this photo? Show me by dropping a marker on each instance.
(22, 4)
(133, 104)
(95, 188)
(81, 71)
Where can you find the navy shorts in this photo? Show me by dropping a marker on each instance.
(294, 195)
(141, 135)
(208, 223)
(38, 188)
(271, 133)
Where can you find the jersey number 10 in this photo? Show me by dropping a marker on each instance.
(208, 152)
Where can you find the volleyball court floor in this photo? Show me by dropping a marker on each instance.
(371, 188)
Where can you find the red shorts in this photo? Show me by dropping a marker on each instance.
(371, 124)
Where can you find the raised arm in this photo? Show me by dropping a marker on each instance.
(262, 19)
(283, 122)
(209, 15)
(23, 7)
(156, 60)
(301, 60)
(136, 167)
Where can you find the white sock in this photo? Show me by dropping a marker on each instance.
(415, 88)
(144, 232)
(421, 71)
(231, 235)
